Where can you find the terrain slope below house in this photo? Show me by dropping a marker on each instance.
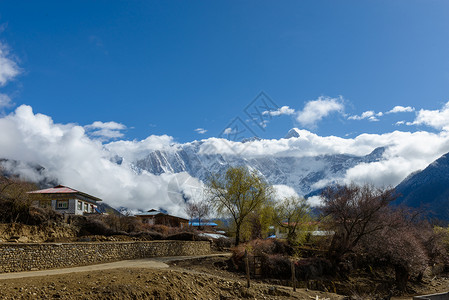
(428, 189)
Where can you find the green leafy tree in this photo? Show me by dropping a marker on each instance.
(293, 214)
(238, 193)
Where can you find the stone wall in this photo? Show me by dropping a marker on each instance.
(28, 257)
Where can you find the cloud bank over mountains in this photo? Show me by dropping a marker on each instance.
(79, 157)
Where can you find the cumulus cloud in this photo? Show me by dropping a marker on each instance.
(8, 66)
(438, 119)
(315, 110)
(370, 115)
(70, 154)
(284, 110)
(201, 130)
(76, 160)
(105, 130)
(401, 109)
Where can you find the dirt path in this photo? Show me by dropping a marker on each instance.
(147, 263)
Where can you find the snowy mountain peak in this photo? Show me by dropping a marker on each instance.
(292, 133)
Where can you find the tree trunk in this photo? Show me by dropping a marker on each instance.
(402, 276)
(237, 234)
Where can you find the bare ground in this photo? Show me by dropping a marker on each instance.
(167, 278)
(183, 280)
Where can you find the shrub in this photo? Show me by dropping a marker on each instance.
(162, 229)
(221, 244)
(268, 246)
(92, 226)
(313, 268)
(276, 266)
(122, 223)
(39, 216)
(148, 235)
(274, 253)
(186, 236)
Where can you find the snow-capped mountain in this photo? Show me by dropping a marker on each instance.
(303, 173)
(294, 132)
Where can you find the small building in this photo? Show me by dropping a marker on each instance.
(66, 200)
(155, 217)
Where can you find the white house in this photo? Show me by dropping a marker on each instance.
(66, 200)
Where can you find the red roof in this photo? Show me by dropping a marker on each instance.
(56, 190)
(60, 189)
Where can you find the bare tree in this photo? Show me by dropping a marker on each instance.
(15, 202)
(197, 211)
(354, 212)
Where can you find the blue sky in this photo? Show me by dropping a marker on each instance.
(159, 67)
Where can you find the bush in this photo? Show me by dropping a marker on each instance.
(92, 226)
(186, 236)
(162, 229)
(276, 266)
(313, 268)
(222, 243)
(122, 223)
(273, 252)
(39, 216)
(268, 246)
(148, 235)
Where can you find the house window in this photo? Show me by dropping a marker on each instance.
(80, 205)
(45, 203)
(62, 204)
(86, 207)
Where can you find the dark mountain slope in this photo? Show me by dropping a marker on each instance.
(428, 189)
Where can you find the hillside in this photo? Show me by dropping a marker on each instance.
(428, 189)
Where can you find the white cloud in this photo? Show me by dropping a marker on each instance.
(401, 109)
(77, 160)
(438, 119)
(284, 110)
(283, 191)
(106, 130)
(370, 115)
(201, 130)
(315, 201)
(8, 67)
(315, 110)
(228, 131)
(5, 101)
(85, 164)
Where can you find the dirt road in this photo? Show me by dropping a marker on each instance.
(151, 263)
(143, 279)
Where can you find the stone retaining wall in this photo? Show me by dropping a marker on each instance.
(28, 257)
